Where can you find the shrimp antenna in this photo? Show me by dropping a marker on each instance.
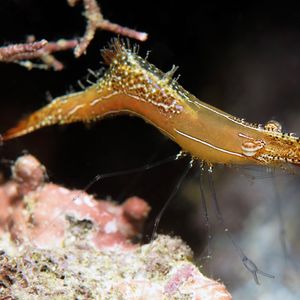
(98, 177)
(248, 263)
(166, 204)
(137, 176)
(6, 161)
(282, 232)
(205, 212)
(134, 170)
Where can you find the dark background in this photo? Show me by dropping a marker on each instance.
(244, 59)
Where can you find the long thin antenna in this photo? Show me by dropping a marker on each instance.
(282, 232)
(166, 204)
(114, 174)
(134, 180)
(134, 170)
(6, 161)
(205, 213)
(248, 263)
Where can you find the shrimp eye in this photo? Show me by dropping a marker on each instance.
(250, 148)
(273, 125)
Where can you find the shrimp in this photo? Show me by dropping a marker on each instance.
(132, 85)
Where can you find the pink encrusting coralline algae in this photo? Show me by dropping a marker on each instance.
(61, 243)
(43, 214)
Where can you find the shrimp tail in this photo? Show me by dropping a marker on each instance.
(62, 110)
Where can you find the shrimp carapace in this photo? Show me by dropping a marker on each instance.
(133, 85)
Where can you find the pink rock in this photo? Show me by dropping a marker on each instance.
(135, 208)
(180, 277)
(189, 278)
(28, 173)
(8, 195)
(45, 213)
(82, 232)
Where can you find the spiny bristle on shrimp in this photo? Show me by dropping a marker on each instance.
(134, 86)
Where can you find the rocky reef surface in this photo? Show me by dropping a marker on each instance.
(57, 243)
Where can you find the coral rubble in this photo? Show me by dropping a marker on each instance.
(58, 243)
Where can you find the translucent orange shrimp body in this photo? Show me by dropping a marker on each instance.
(134, 86)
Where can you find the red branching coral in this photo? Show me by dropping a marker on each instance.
(96, 21)
(23, 54)
(42, 50)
